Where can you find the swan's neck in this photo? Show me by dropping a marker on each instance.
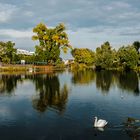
(95, 123)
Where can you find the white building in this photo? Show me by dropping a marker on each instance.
(25, 52)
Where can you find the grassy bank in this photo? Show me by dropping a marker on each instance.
(29, 68)
(50, 68)
(12, 68)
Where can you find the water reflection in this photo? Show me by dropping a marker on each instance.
(8, 83)
(50, 83)
(46, 93)
(128, 81)
(83, 76)
(104, 80)
(49, 93)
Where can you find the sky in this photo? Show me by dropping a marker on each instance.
(89, 23)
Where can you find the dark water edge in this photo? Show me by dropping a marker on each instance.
(62, 105)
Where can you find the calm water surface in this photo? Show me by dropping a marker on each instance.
(62, 105)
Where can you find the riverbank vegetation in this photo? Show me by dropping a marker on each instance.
(105, 57)
(53, 40)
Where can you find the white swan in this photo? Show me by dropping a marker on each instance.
(100, 123)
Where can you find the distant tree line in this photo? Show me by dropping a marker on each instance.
(52, 40)
(105, 57)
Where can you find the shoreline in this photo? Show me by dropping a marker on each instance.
(25, 68)
(36, 69)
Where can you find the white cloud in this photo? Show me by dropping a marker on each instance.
(28, 13)
(95, 36)
(119, 5)
(12, 33)
(6, 12)
(90, 22)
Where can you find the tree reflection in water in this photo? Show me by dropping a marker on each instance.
(49, 93)
(104, 80)
(83, 76)
(129, 81)
(8, 83)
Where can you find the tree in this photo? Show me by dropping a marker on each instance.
(136, 45)
(8, 52)
(128, 57)
(105, 56)
(50, 42)
(83, 55)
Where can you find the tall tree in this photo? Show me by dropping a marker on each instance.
(10, 51)
(105, 56)
(136, 45)
(50, 42)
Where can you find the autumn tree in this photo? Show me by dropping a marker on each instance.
(83, 55)
(51, 40)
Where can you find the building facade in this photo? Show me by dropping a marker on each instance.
(24, 52)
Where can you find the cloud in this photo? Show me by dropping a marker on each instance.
(89, 23)
(114, 5)
(28, 13)
(12, 33)
(6, 12)
(22, 38)
(76, 14)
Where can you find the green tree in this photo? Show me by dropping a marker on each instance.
(105, 56)
(29, 59)
(128, 57)
(83, 55)
(50, 42)
(136, 45)
(8, 52)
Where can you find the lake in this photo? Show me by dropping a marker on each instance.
(62, 105)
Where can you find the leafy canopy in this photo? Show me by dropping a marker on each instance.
(105, 56)
(83, 55)
(128, 56)
(8, 52)
(51, 40)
